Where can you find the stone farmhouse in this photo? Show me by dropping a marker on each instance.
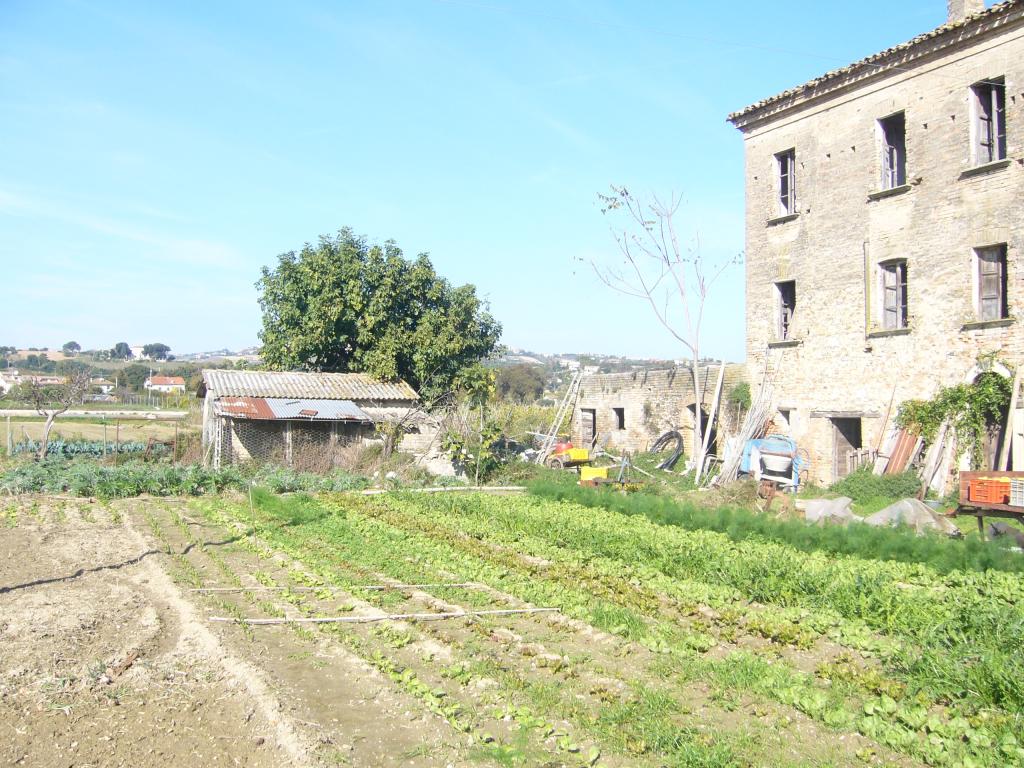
(629, 411)
(885, 229)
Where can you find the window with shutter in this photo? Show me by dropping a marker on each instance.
(786, 173)
(894, 150)
(787, 306)
(992, 304)
(894, 295)
(989, 105)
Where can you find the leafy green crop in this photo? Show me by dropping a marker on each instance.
(938, 552)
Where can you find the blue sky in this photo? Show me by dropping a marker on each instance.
(154, 156)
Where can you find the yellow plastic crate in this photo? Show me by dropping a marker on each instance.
(593, 473)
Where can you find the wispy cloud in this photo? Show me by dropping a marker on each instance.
(169, 248)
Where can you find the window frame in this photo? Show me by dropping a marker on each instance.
(785, 181)
(991, 254)
(785, 310)
(988, 121)
(893, 280)
(893, 156)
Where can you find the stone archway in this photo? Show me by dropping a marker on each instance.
(995, 433)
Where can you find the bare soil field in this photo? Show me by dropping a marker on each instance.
(113, 651)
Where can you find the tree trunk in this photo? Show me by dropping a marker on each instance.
(50, 418)
(698, 431)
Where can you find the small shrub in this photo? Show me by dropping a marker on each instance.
(863, 486)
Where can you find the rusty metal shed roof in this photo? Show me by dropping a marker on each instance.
(298, 385)
(273, 408)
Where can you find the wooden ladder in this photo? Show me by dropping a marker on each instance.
(563, 408)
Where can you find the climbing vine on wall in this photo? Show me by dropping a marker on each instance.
(968, 408)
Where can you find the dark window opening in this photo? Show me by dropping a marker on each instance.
(989, 121)
(786, 419)
(894, 295)
(894, 150)
(786, 162)
(588, 427)
(620, 417)
(787, 306)
(992, 303)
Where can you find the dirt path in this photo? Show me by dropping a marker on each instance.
(104, 661)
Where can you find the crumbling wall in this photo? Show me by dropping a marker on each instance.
(652, 402)
(840, 362)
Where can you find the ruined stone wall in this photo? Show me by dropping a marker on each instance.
(653, 402)
(840, 361)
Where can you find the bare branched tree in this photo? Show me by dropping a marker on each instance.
(51, 400)
(673, 279)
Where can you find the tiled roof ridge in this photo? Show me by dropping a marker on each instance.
(970, 26)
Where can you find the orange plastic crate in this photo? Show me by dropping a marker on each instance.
(990, 490)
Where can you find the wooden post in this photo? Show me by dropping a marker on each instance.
(1004, 450)
(711, 420)
(104, 438)
(117, 440)
(10, 440)
(174, 450)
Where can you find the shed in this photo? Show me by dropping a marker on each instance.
(294, 418)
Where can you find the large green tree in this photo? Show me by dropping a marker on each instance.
(522, 382)
(345, 305)
(156, 351)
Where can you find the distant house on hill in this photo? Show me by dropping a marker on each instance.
(165, 384)
(301, 418)
(102, 385)
(9, 378)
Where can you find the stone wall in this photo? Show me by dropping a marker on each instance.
(839, 362)
(652, 403)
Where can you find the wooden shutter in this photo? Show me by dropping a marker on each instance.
(890, 302)
(990, 283)
(999, 121)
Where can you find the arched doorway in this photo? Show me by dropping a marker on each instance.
(704, 419)
(998, 429)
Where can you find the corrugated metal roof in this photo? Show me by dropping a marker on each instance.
(272, 408)
(244, 407)
(297, 385)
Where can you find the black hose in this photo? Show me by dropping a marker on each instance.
(663, 442)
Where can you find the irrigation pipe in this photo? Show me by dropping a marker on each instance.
(376, 587)
(385, 617)
(449, 489)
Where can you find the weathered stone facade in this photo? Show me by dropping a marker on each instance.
(631, 410)
(840, 360)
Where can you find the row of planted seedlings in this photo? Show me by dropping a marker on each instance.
(580, 594)
(917, 706)
(500, 718)
(642, 719)
(44, 510)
